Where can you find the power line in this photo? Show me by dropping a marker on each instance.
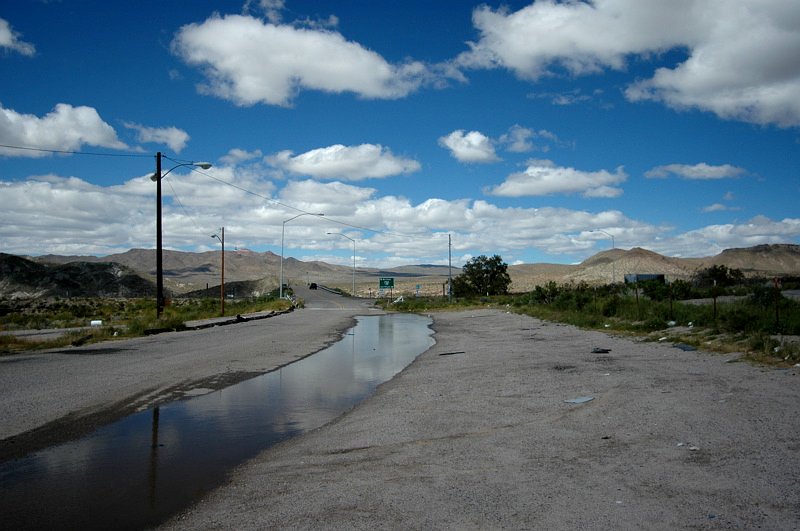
(68, 152)
(175, 194)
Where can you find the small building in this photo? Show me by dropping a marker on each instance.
(644, 277)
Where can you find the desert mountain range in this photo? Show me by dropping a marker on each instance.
(132, 273)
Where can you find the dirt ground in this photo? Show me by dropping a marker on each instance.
(478, 433)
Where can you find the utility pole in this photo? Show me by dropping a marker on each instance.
(159, 263)
(449, 268)
(157, 176)
(222, 279)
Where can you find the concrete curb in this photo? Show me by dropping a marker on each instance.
(223, 321)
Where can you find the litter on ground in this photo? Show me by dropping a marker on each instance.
(579, 400)
(685, 347)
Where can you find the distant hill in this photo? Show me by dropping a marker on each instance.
(777, 259)
(193, 272)
(186, 271)
(761, 260)
(132, 273)
(617, 263)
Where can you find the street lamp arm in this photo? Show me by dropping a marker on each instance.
(303, 214)
(613, 267)
(340, 234)
(203, 165)
(222, 277)
(354, 257)
(283, 232)
(607, 234)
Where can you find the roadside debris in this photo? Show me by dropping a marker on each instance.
(601, 350)
(685, 347)
(579, 400)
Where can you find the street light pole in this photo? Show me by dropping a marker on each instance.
(159, 254)
(613, 267)
(283, 232)
(354, 258)
(449, 268)
(159, 260)
(222, 280)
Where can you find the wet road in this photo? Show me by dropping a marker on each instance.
(83, 386)
(159, 460)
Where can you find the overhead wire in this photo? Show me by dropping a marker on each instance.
(69, 152)
(175, 194)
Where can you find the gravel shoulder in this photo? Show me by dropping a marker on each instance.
(477, 434)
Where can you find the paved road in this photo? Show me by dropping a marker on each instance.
(477, 434)
(321, 299)
(61, 393)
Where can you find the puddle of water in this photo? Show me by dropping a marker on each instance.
(137, 472)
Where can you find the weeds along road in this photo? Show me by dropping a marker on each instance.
(50, 396)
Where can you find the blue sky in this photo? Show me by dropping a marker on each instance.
(533, 130)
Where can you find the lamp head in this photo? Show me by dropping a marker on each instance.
(203, 165)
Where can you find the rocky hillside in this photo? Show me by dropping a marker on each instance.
(22, 278)
(617, 263)
(183, 271)
(766, 260)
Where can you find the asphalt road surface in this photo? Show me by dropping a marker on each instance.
(51, 396)
(479, 433)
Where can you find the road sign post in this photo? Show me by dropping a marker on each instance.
(387, 283)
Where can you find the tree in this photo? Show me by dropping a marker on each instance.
(720, 276)
(482, 276)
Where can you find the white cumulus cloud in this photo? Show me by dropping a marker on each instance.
(701, 171)
(469, 147)
(348, 163)
(518, 139)
(238, 155)
(173, 137)
(65, 128)
(742, 58)
(249, 61)
(542, 177)
(713, 239)
(271, 8)
(10, 40)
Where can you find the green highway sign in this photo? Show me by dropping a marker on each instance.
(386, 283)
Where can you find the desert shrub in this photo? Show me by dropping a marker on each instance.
(655, 290)
(610, 306)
